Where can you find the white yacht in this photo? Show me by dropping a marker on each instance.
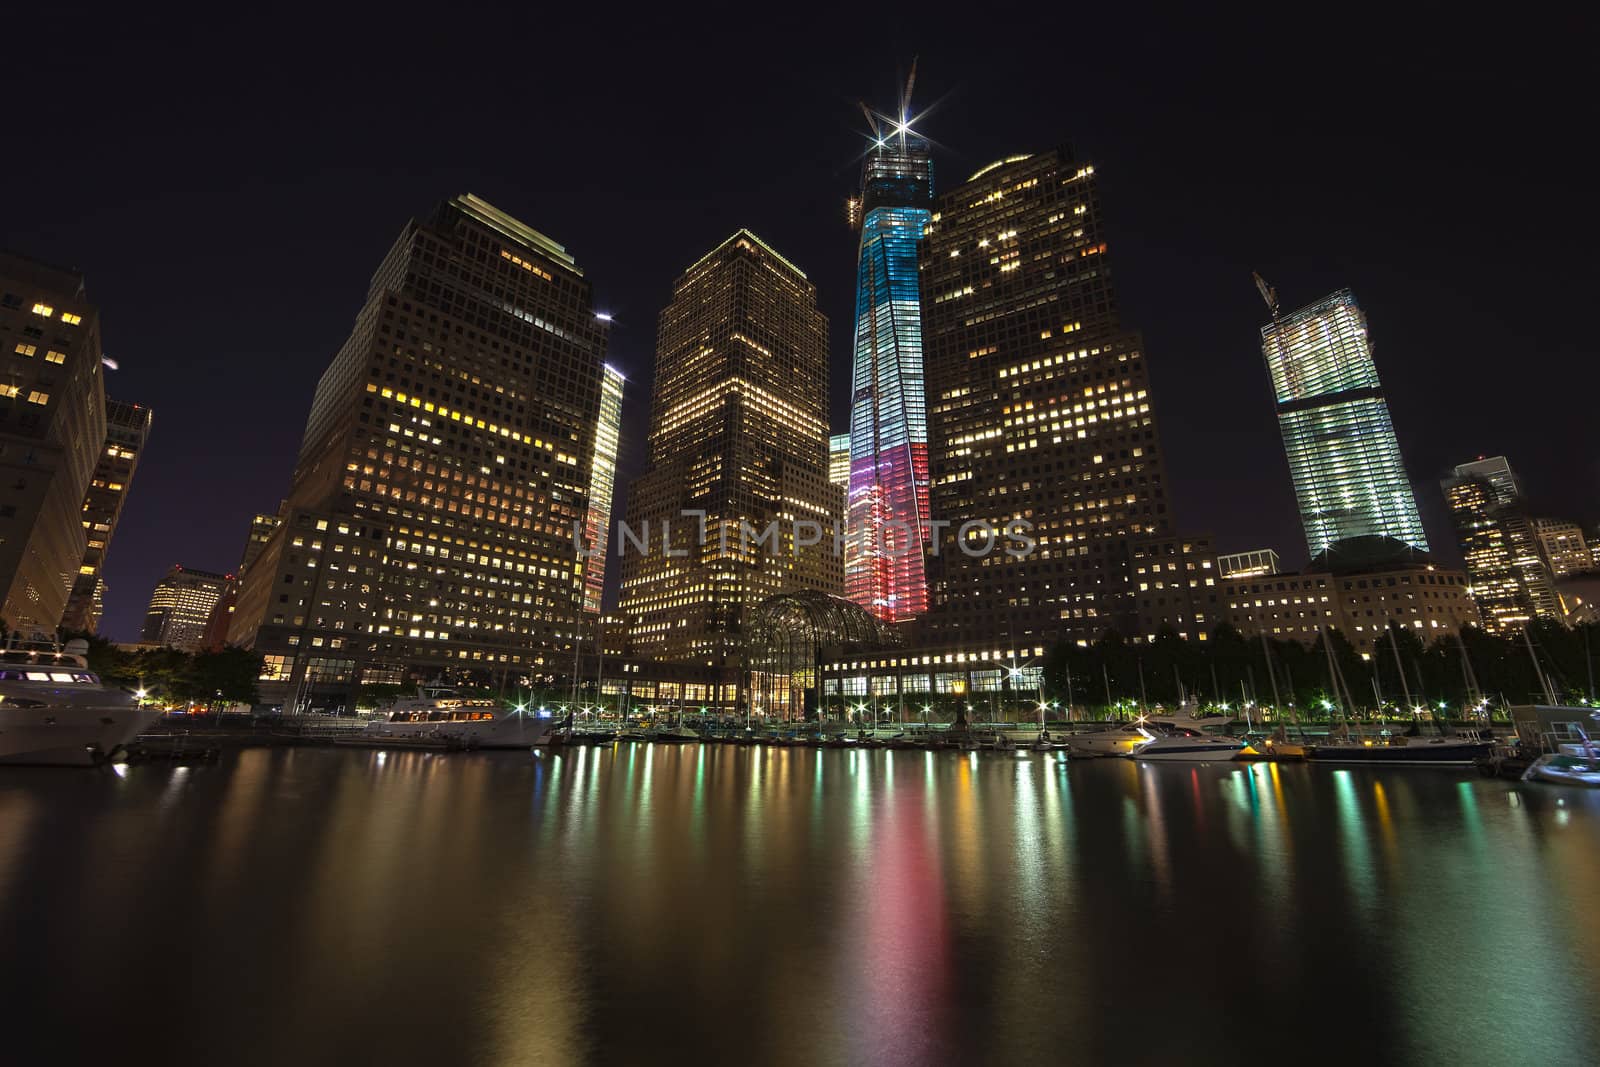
(54, 710)
(1189, 746)
(440, 714)
(1118, 740)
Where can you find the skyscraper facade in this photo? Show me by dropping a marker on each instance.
(602, 484)
(888, 516)
(1343, 456)
(839, 460)
(738, 442)
(1563, 546)
(445, 471)
(1039, 411)
(127, 428)
(1509, 578)
(261, 528)
(52, 430)
(182, 606)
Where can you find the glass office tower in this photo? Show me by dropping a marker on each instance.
(602, 482)
(1348, 476)
(887, 507)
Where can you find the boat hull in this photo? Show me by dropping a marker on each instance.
(1564, 770)
(511, 731)
(69, 736)
(1427, 754)
(1194, 754)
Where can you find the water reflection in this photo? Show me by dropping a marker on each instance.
(799, 906)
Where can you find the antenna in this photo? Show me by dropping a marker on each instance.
(1268, 293)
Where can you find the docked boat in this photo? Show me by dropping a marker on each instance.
(1114, 741)
(1570, 766)
(443, 715)
(1189, 746)
(1400, 750)
(54, 710)
(679, 734)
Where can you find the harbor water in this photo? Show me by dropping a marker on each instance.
(694, 903)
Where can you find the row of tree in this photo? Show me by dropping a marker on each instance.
(1229, 668)
(171, 676)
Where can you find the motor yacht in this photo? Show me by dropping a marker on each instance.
(54, 710)
(1189, 746)
(1119, 740)
(443, 715)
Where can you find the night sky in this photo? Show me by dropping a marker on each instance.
(229, 189)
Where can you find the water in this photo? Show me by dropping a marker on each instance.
(699, 904)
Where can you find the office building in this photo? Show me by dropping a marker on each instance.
(602, 484)
(181, 608)
(839, 460)
(127, 428)
(1357, 591)
(1252, 564)
(1563, 547)
(52, 431)
(887, 519)
(1510, 580)
(261, 527)
(1343, 455)
(1039, 411)
(738, 445)
(444, 475)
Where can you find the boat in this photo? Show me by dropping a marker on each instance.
(55, 711)
(1571, 766)
(1189, 746)
(679, 734)
(443, 715)
(1117, 740)
(1003, 743)
(1400, 750)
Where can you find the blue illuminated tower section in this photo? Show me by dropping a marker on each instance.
(887, 511)
(1348, 476)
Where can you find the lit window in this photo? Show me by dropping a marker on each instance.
(52, 356)
(70, 319)
(36, 397)
(44, 309)
(26, 350)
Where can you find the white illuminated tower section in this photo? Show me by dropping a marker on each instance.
(1348, 476)
(602, 482)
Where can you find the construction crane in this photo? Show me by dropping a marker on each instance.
(1268, 293)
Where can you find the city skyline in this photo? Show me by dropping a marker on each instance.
(1226, 471)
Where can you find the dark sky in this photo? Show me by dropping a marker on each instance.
(229, 189)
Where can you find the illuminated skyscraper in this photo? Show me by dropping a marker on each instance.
(444, 475)
(127, 427)
(1343, 455)
(52, 431)
(181, 607)
(261, 528)
(1510, 580)
(602, 482)
(1040, 412)
(738, 438)
(839, 460)
(887, 519)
